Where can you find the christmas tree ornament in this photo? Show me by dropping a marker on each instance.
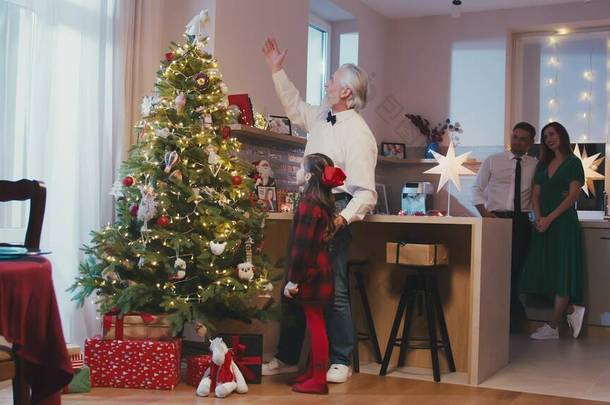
(236, 180)
(223, 88)
(206, 121)
(163, 221)
(266, 290)
(110, 275)
(169, 56)
(198, 26)
(245, 271)
(226, 132)
(176, 175)
(171, 158)
(162, 132)
(180, 102)
(148, 205)
(141, 262)
(148, 104)
(202, 81)
(213, 158)
(128, 181)
(133, 210)
(116, 191)
(217, 248)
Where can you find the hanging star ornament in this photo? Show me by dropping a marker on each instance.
(589, 166)
(450, 167)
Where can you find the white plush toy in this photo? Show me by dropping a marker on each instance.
(223, 376)
(245, 271)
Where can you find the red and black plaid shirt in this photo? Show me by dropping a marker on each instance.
(309, 265)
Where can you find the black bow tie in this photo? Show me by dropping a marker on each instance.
(331, 118)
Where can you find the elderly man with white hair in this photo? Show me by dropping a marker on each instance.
(337, 130)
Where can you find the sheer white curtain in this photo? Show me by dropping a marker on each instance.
(62, 121)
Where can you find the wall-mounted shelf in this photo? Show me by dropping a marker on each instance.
(252, 133)
(248, 132)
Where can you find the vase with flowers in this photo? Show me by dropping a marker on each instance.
(435, 136)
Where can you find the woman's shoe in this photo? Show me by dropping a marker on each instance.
(575, 320)
(545, 332)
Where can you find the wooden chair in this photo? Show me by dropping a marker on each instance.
(36, 192)
(11, 365)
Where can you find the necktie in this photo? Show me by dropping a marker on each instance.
(517, 200)
(331, 118)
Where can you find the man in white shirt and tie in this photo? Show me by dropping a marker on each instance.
(503, 190)
(337, 130)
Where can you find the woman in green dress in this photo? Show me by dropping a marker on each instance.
(554, 266)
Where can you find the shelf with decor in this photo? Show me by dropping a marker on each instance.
(471, 164)
(248, 132)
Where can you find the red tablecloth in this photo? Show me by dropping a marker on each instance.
(29, 318)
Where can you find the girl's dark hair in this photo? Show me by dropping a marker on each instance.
(546, 154)
(315, 164)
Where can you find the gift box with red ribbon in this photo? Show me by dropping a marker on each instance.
(248, 354)
(134, 363)
(195, 368)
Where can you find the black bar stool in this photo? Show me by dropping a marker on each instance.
(371, 335)
(420, 282)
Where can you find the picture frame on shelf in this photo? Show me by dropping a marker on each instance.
(382, 200)
(267, 198)
(279, 124)
(394, 150)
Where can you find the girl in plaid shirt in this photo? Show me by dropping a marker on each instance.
(310, 275)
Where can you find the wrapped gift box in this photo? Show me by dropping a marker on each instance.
(76, 356)
(413, 254)
(248, 350)
(134, 363)
(137, 326)
(195, 367)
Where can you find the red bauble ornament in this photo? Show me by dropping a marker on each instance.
(163, 221)
(236, 180)
(226, 132)
(133, 210)
(169, 56)
(128, 181)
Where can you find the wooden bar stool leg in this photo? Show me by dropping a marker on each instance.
(432, 327)
(395, 326)
(443, 326)
(368, 316)
(404, 343)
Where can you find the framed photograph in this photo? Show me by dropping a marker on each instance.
(267, 197)
(245, 107)
(279, 124)
(382, 200)
(393, 150)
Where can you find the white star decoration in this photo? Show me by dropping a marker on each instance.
(450, 167)
(589, 165)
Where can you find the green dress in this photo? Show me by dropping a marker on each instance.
(554, 264)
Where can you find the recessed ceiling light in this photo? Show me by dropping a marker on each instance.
(455, 8)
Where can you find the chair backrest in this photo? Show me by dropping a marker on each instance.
(36, 192)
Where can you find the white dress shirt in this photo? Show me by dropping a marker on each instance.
(349, 143)
(495, 184)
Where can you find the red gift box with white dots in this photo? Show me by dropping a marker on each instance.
(134, 363)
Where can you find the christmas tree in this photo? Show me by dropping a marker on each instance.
(186, 224)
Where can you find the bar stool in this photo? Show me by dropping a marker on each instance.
(371, 335)
(420, 282)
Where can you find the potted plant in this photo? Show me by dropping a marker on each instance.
(434, 136)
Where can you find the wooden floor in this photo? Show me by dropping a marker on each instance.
(362, 389)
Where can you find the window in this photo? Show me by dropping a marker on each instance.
(317, 59)
(348, 48)
(564, 78)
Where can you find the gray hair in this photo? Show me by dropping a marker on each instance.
(357, 81)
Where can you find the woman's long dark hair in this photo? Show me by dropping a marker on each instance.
(315, 164)
(546, 154)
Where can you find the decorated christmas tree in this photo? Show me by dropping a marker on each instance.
(187, 234)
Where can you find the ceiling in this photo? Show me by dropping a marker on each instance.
(420, 8)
